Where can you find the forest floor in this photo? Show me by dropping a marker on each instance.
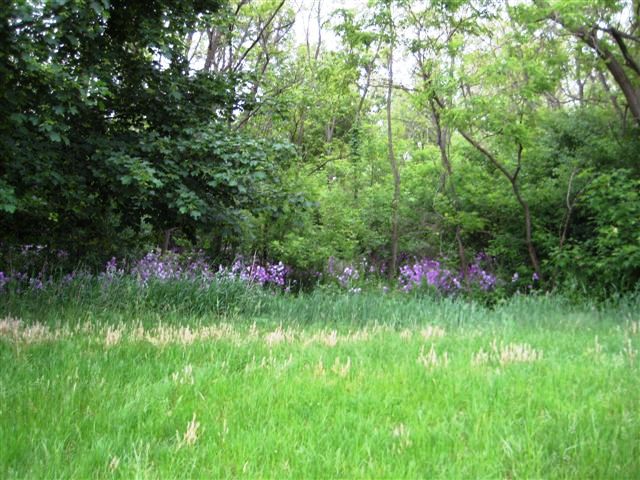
(100, 395)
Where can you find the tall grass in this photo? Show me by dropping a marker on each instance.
(239, 301)
(174, 380)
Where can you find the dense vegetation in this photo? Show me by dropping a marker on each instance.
(290, 238)
(393, 132)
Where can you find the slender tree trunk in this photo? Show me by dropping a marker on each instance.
(195, 48)
(442, 139)
(513, 180)
(329, 129)
(527, 216)
(212, 49)
(166, 243)
(299, 138)
(569, 204)
(395, 203)
(612, 95)
(533, 256)
(369, 69)
(187, 43)
(356, 123)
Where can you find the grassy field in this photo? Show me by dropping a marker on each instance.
(320, 386)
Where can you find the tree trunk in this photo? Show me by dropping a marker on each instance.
(631, 94)
(166, 243)
(612, 95)
(395, 203)
(513, 179)
(621, 78)
(533, 256)
(448, 180)
(212, 49)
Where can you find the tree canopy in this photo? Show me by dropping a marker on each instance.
(389, 130)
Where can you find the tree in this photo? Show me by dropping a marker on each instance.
(107, 134)
(436, 45)
(605, 28)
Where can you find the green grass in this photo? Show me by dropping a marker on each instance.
(319, 386)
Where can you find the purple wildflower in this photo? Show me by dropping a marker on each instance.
(348, 275)
(331, 266)
(36, 284)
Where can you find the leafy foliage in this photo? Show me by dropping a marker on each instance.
(112, 138)
(206, 124)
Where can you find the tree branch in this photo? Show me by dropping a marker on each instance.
(257, 39)
(628, 59)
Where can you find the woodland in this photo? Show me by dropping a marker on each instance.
(320, 239)
(462, 136)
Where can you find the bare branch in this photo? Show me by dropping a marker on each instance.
(628, 59)
(257, 39)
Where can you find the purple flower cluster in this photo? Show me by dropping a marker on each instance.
(351, 276)
(163, 268)
(194, 267)
(111, 272)
(173, 267)
(70, 277)
(331, 267)
(517, 281)
(432, 273)
(348, 276)
(36, 283)
(158, 267)
(254, 272)
(21, 280)
(476, 275)
(29, 258)
(427, 272)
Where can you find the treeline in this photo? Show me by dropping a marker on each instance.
(393, 132)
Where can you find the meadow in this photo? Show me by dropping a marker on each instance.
(122, 383)
(316, 239)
